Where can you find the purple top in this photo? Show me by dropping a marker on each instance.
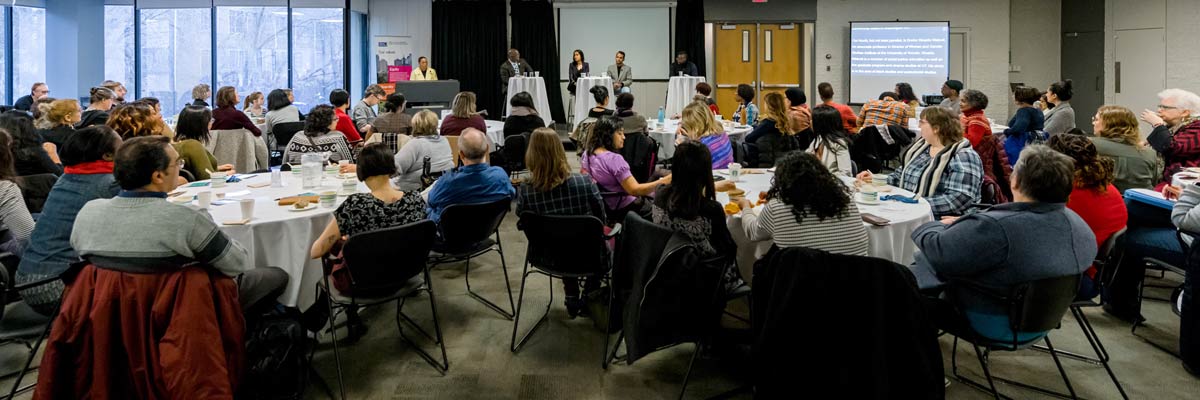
(608, 170)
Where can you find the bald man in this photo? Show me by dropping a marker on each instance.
(474, 182)
(513, 66)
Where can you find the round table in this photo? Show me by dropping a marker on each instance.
(276, 236)
(892, 242)
(665, 135)
(584, 101)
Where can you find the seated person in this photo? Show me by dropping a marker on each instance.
(797, 103)
(978, 130)
(807, 206)
(87, 175)
(393, 121)
(774, 135)
(320, 135)
(552, 189)
(340, 99)
(884, 111)
(1176, 131)
(747, 111)
(384, 207)
(633, 122)
(1035, 237)
(15, 220)
(410, 161)
(363, 114)
(474, 182)
(940, 166)
(227, 116)
(155, 234)
(191, 134)
(1094, 198)
(688, 205)
(523, 117)
(600, 94)
(1186, 216)
(62, 115)
(830, 143)
(705, 90)
(1118, 138)
(30, 155)
(462, 116)
(698, 124)
(601, 161)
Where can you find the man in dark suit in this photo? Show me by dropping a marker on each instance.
(513, 66)
(682, 64)
(25, 103)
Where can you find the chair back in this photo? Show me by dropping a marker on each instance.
(35, 189)
(284, 131)
(1039, 305)
(383, 260)
(453, 141)
(463, 225)
(514, 151)
(565, 244)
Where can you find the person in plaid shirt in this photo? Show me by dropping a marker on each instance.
(940, 166)
(552, 189)
(885, 111)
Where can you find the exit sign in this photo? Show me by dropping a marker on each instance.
(758, 1)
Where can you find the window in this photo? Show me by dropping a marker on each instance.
(317, 55)
(176, 54)
(29, 48)
(118, 45)
(252, 49)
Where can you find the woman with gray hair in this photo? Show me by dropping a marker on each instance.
(1176, 132)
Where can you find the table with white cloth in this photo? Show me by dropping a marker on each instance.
(584, 100)
(277, 236)
(238, 147)
(495, 132)
(680, 90)
(892, 242)
(536, 86)
(665, 135)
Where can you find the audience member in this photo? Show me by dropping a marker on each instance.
(319, 136)
(829, 143)
(611, 172)
(849, 119)
(698, 124)
(940, 166)
(62, 115)
(39, 90)
(30, 155)
(688, 205)
(99, 104)
(904, 94)
(1035, 237)
(797, 105)
(632, 121)
(384, 207)
(40, 121)
(807, 206)
(600, 94)
(227, 116)
(1061, 117)
(462, 116)
(364, 112)
(747, 111)
(118, 88)
(523, 117)
(15, 219)
(474, 182)
(340, 99)
(87, 175)
(280, 109)
(682, 66)
(1027, 121)
(1118, 138)
(1186, 216)
(705, 90)
(191, 136)
(200, 95)
(253, 106)
(621, 74)
(978, 130)
(423, 71)
(1176, 134)
(155, 234)
(131, 120)
(392, 122)
(885, 111)
(1094, 198)
(774, 135)
(950, 100)
(976, 125)
(425, 143)
(552, 189)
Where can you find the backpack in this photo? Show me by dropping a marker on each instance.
(583, 133)
(277, 356)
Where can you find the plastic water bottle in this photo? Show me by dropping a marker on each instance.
(310, 172)
(662, 116)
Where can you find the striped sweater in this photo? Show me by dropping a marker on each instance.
(844, 234)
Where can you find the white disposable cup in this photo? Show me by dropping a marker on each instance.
(735, 172)
(218, 179)
(204, 199)
(247, 209)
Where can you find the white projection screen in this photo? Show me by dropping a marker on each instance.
(885, 53)
(643, 33)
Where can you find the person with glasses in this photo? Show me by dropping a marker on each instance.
(25, 103)
(1117, 137)
(1176, 134)
(364, 113)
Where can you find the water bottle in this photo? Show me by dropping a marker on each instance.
(662, 116)
(310, 170)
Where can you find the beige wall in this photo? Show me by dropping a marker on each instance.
(1035, 40)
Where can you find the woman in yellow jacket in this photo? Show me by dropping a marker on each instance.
(423, 72)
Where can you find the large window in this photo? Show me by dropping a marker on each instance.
(176, 54)
(29, 48)
(118, 44)
(252, 49)
(317, 54)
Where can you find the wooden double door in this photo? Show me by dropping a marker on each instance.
(766, 56)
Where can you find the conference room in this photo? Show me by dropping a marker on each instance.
(526, 199)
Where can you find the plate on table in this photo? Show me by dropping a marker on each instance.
(309, 207)
(867, 203)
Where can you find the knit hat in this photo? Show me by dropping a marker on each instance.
(956, 85)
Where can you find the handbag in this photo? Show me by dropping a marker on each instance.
(427, 177)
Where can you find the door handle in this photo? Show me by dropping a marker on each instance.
(727, 86)
(1117, 84)
(780, 85)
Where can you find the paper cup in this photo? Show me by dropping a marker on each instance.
(328, 199)
(247, 209)
(204, 199)
(218, 179)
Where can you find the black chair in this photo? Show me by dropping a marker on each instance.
(564, 247)
(385, 265)
(21, 324)
(1163, 267)
(283, 132)
(1036, 306)
(514, 153)
(466, 231)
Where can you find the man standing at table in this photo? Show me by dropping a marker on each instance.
(621, 74)
(423, 72)
(682, 64)
(513, 66)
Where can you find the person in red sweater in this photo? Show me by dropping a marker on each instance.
(978, 130)
(341, 101)
(849, 119)
(462, 116)
(1094, 198)
(227, 116)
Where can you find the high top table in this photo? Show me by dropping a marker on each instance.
(536, 86)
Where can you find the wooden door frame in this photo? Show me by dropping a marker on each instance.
(810, 41)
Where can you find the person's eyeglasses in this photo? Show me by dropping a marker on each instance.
(1166, 107)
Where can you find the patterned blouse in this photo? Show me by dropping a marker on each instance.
(332, 142)
(362, 212)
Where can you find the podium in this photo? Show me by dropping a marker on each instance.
(428, 95)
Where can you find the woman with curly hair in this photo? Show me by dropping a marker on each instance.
(320, 135)
(1118, 138)
(807, 206)
(1094, 197)
(132, 120)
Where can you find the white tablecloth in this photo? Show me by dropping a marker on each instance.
(536, 87)
(665, 135)
(495, 132)
(680, 90)
(276, 236)
(584, 100)
(892, 242)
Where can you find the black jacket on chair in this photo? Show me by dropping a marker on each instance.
(871, 150)
(838, 326)
(641, 153)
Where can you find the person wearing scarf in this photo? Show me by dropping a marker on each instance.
(941, 166)
(523, 118)
(87, 175)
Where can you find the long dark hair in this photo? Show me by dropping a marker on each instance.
(602, 133)
(193, 124)
(277, 99)
(691, 180)
(827, 124)
(905, 92)
(20, 130)
(394, 102)
(802, 182)
(582, 58)
(8, 170)
(90, 144)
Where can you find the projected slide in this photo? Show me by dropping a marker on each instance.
(884, 53)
